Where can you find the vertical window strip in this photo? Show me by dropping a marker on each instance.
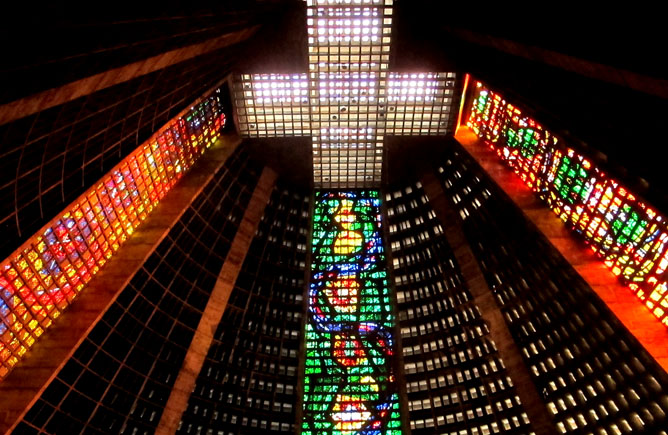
(54, 266)
(349, 385)
(626, 233)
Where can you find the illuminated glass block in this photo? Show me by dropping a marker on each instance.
(624, 232)
(53, 267)
(349, 384)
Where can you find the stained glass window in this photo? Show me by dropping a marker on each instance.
(349, 387)
(348, 101)
(625, 232)
(40, 280)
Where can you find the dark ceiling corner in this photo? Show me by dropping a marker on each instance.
(281, 45)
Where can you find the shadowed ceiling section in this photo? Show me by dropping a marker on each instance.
(48, 158)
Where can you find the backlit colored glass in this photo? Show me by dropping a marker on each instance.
(349, 387)
(625, 232)
(46, 274)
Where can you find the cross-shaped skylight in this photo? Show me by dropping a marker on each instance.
(349, 100)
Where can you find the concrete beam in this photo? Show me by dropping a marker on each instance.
(62, 94)
(594, 70)
(646, 328)
(510, 353)
(21, 389)
(215, 307)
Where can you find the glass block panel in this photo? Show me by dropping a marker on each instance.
(349, 385)
(626, 233)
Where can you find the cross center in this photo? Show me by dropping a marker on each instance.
(348, 101)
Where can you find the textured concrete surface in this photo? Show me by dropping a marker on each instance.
(510, 353)
(32, 375)
(594, 70)
(79, 88)
(619, 298)
(215, 307)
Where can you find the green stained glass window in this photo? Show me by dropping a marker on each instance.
(349, 385)
(630, 237)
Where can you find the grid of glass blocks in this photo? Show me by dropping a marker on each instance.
(349, 47)
(272, 105)
(249, 380)
(347, 158)
(420, 103)
(349, 36)
(119, 378)
(348, 86)
(456, 381)
(348, 100)
(349, 384)
(625, 232)
(593, 375)
(41, 279)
